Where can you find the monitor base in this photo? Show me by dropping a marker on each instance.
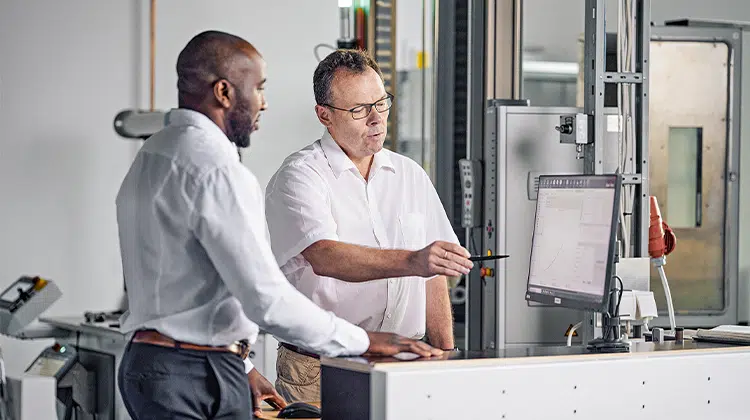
(600, 345)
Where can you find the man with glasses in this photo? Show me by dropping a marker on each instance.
(358, 229)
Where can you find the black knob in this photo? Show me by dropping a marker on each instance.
(565, 128)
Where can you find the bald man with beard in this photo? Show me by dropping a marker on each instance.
(200, 274)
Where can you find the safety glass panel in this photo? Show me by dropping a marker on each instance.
(684, 188)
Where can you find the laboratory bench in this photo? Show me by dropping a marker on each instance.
(688, 380)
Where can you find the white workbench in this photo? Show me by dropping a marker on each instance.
(653, 381)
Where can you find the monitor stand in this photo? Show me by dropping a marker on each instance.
(600, 345)
(611, 341)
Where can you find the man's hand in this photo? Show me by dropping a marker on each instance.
(441, 258)
(388, 344)
(263, 391)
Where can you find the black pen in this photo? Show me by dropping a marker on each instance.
(487, 257)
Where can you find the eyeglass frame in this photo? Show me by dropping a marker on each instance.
(370, 106)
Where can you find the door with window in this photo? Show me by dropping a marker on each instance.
(690, 92)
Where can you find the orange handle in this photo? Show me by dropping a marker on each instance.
(661, 238)
(656, 246)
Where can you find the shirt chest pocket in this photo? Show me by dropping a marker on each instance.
(412, 228)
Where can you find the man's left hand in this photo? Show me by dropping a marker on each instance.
(263, 391)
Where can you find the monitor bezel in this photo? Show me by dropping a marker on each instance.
(562, 301)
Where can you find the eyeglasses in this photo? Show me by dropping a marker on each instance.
(362, 111)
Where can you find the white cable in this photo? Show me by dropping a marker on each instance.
(667, 294)
(572, 330)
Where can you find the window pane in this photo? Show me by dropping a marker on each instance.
(683, 179)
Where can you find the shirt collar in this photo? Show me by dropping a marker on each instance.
(340, 162)
(183, 116)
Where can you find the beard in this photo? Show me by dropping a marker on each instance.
(239, 123)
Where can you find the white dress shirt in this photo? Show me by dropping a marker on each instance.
(318, 194)
(197, 262)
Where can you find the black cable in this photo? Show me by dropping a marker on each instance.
(315, 50)
(619, 299)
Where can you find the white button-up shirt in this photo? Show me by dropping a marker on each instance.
(197, 262)
(318, 194)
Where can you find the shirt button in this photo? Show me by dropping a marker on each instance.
(389, 316)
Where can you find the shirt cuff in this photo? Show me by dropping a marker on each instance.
(353, 339)
(248, 365)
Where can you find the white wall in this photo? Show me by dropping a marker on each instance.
(285, 32)
(66, 69)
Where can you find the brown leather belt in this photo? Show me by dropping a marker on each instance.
(240, 348)
(300, 351)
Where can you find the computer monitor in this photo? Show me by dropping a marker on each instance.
(573, 243)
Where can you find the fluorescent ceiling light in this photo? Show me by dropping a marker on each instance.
(550, 67)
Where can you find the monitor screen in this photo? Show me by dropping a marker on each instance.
(574, 240)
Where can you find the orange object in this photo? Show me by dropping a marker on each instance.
(670, 239)
(661, 238)
(359, 28)
(486, 272)
(39, 283)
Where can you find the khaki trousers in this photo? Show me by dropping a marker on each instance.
(297, 376)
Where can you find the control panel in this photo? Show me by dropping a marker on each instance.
(471, 188)
(574, 129)
(23, 301)
(54, 361)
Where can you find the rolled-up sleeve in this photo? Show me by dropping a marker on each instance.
(248, 365)
(298, 211)
(228, 221)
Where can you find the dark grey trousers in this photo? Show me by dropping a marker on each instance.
(164, 383)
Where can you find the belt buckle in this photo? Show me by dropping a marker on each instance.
(244, 348)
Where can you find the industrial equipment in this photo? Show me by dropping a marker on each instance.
(74, 383)
(23, 301)
(77, 374)
(138, 124)
(671, 138)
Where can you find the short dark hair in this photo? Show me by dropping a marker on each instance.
(356, 61)
(207, 57)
